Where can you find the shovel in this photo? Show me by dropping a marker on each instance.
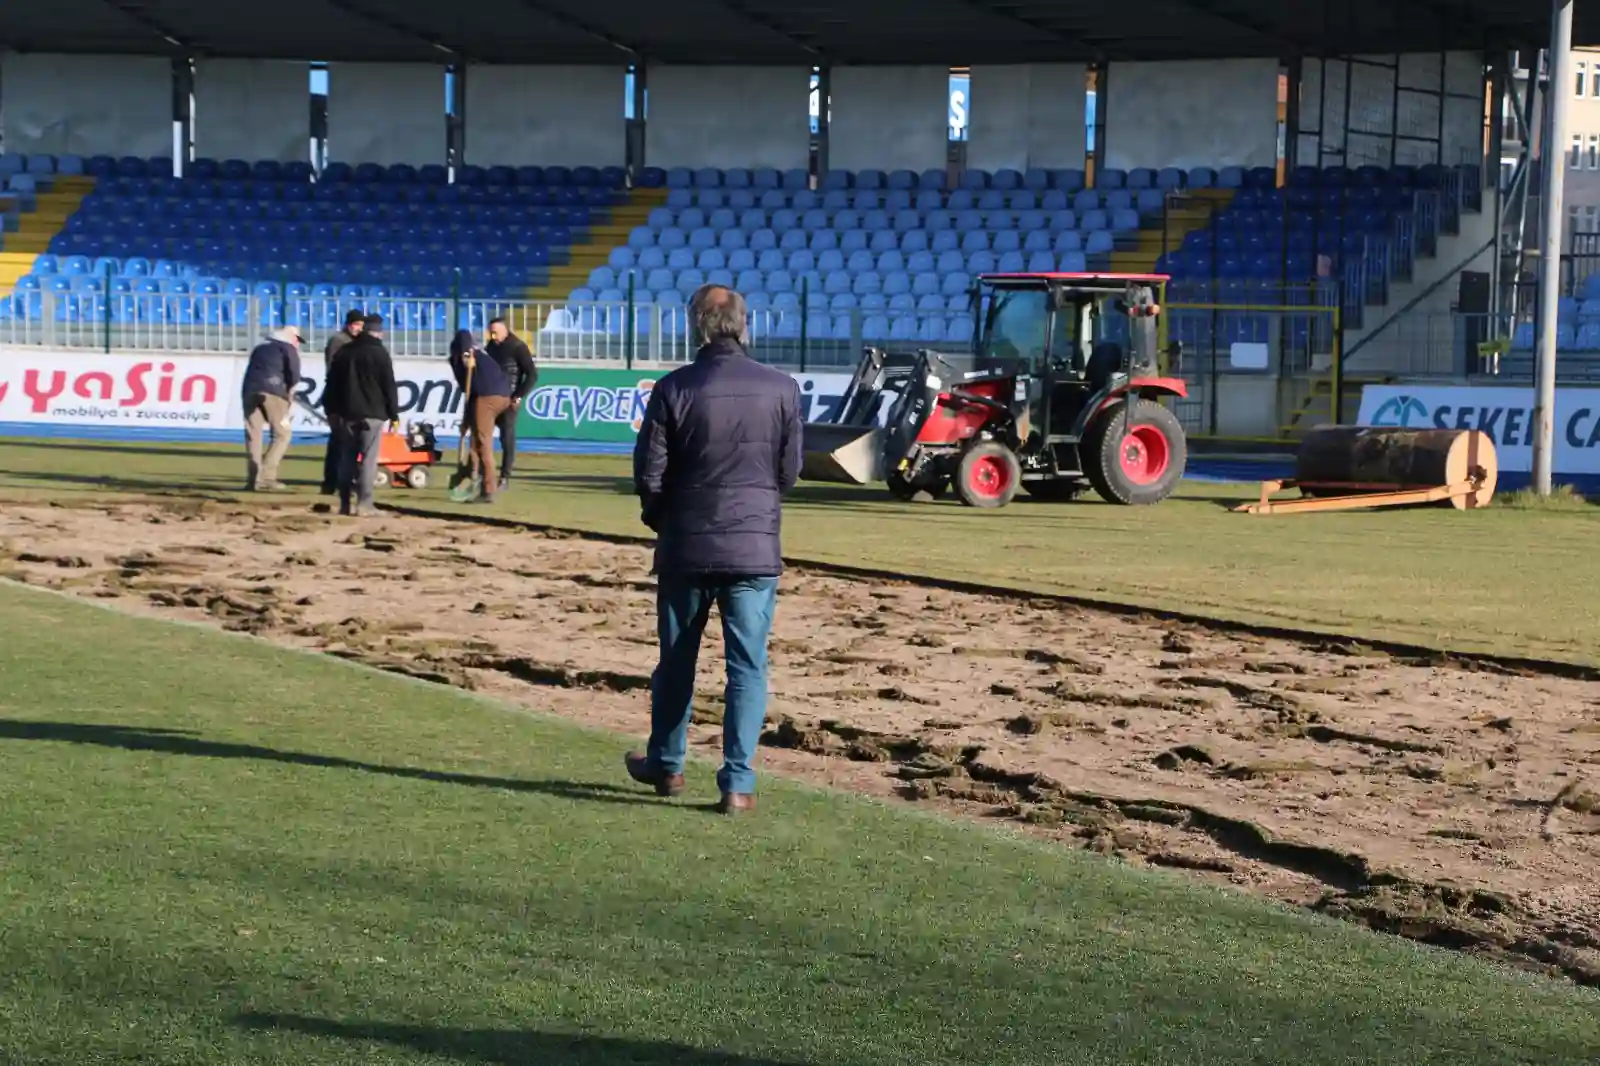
(463, 486)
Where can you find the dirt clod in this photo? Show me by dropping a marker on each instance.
(1185, 754)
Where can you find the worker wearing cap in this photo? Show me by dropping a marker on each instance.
(361, 393)
(269, 380)
(330, 459)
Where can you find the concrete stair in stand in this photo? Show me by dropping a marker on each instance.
(37, 225)
(602, 239)
(1136, 253)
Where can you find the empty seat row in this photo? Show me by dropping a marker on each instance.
(752, 219)
(773, 325)
(1037, 179)
(533, 229)
(762, 243)
(102, 167)
(264, 253)
(796, 179)
(1432, 175)
(327, 315)
(830, 284)
(201, 285)
(39, 165)
(686, 282)
(1568, 337)
(673, 241)
(757, 298)
(1147, 201)
(888, 264)
(191, 195)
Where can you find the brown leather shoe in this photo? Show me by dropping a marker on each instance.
(642, 770)
(736, 803)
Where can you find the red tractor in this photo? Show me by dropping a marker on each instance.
(1062, 393)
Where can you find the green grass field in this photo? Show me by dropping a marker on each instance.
(220, 852)
(1504, 580)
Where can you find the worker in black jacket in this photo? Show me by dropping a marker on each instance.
(330, 458)
(361, 393)
(511, 352)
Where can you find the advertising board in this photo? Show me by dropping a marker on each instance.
(197, 396)
(1504, 414)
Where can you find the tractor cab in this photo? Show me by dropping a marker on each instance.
(1074, 336)
(1060, 392)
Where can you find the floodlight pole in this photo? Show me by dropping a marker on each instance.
(1551, 235)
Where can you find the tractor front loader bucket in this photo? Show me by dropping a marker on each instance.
(851, 455)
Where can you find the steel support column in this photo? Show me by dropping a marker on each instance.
(1550, 241)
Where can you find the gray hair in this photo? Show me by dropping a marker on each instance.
(717, 312)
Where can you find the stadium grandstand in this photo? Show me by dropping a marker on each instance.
(1315, 178)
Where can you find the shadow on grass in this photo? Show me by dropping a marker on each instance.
(124, 448)
(205, 484)
(620, 486)
(182, 742)
(506, 1047)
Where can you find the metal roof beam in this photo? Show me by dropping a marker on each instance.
(771, 26)
(1006, 11)
(138, 14)
(1209, 9)
(632, 51)
(395, 25)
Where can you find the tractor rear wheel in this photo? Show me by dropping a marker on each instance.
(381, 478)
(1055, 490)
(417, 477)
(1135, 455)
(988, 475)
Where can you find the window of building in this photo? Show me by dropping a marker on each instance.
(1575, 160)
(1583, 79)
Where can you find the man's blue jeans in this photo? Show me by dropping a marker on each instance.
(683, 606)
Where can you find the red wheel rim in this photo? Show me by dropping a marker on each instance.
(990, 477)
(1145, 455)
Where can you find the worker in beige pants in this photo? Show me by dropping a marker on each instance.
(269, 381)
(265, 413)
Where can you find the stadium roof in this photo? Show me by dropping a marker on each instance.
(953, 32)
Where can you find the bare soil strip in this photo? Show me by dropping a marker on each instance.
(1455, 803)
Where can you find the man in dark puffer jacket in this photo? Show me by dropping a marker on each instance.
(718, 448)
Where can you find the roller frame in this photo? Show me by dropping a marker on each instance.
(1363, 496)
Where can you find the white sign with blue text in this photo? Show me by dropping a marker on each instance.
(1506, 415)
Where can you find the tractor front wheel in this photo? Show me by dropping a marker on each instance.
(988, 475)
(417, 477)
(1135, 455)
(381, 478)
